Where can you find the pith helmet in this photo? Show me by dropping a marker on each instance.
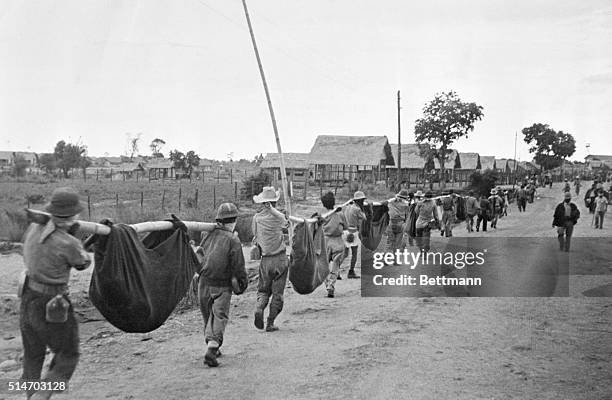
(226, 210)
(268, 194)
(359, 195)
(64, 203)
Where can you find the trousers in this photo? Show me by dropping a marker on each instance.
(272, 281)
(564, 235)
(215, 305)
(37, 334)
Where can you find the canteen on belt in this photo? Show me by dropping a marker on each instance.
(56, 310)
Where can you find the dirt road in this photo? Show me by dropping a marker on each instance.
(366, 348)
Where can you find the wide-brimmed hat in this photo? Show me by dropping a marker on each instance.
(419, 193)
(268, 194)
(359, 195)
(493, 191)
(403, 194)
(64, 203)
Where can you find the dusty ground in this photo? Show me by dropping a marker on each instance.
(354, 347)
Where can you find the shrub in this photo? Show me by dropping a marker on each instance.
(13, 225)
(243, 227)
(254, 184)
(482, 182)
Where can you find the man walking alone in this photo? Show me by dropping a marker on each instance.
(565, 217)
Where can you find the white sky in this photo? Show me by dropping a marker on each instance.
(184, 71)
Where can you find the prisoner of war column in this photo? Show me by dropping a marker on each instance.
(46, 314)
(268, 226)
(222, 270)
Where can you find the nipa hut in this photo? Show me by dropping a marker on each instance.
(160, 168)
(413, 166)
(297, 167)
(487, 162)
(470, 163)
(351, 158)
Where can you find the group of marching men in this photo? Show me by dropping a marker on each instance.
(50, 251)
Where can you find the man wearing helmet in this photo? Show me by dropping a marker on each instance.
(222, 270)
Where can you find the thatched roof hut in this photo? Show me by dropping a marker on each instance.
(487, 162)
(351, 150)
(292, 161)
(361, 157)
(453, 161)
(470, 161)
(411, 156)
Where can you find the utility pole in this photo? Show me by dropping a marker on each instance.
(399, 143)
(515, 162)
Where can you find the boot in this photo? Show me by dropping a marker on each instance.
(210, 358)
(259, 316)
(270, 327)
(352, 274)
(330, 293)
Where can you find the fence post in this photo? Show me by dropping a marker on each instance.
(252, 188)
(141, 200)
(196, 198)
(235, 192)
(214, 197)
(116, 199)
(179, 201)
(111, 174)
(231, 176)
(97, 172)
(89, 205)
(218, 175)
(163, 199)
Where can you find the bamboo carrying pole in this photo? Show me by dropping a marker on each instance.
(274, 127)
(100, 229)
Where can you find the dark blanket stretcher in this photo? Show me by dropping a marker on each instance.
(308, 267)
(137, 284)
(373, 228)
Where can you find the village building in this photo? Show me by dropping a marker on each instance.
(414, 166)
(297, 168)
(487, 162)
(160, 168)
(340, 159)
(469, 163)
(451, 163)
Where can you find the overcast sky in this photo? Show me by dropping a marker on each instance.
(96, 71)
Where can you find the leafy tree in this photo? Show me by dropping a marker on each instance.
(550, 147)
(19, 165)
(69, 156)
(156, 146)
(186, 162)
(47, 162)
(445, 119)
(192, 160)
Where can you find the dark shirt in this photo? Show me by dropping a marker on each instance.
(222, 258)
